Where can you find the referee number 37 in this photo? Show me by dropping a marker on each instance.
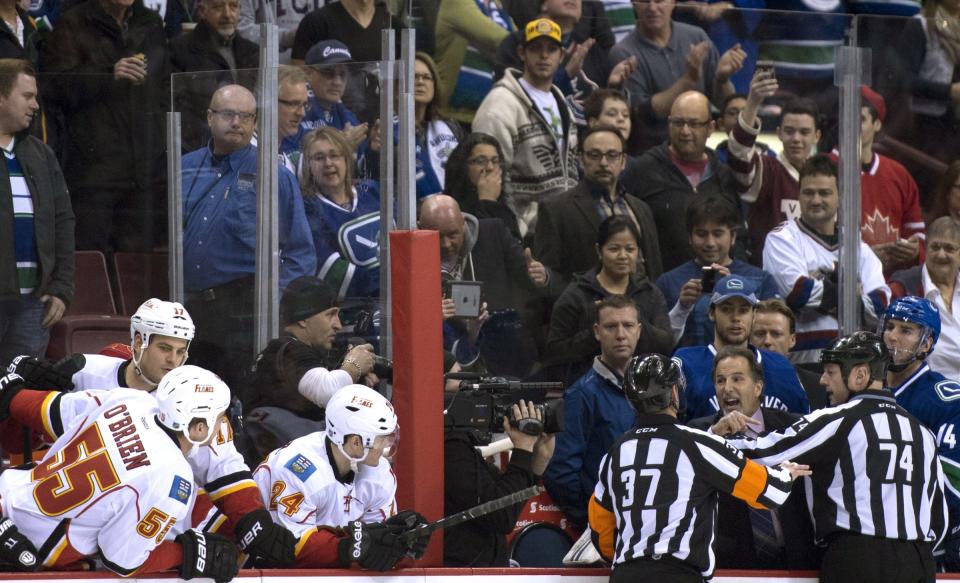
(628, 477)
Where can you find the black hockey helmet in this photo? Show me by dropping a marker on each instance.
(649, 381)
(859, 348)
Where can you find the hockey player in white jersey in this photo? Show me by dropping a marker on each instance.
(116, 482)
(802, 256)
(340, 477)
(160, 335)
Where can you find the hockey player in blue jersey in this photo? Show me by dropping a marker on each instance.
(911, 327)
(731, 310)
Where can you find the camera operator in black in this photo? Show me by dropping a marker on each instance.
(469, 480)
(285, 395)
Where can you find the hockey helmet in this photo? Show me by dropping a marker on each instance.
(360, 410)
(915, 310)
(190, 392)
(856, 349)
(160, 317)
(649, 381)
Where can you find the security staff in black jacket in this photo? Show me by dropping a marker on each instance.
(290, 385)
(469, 480)
(878, 501)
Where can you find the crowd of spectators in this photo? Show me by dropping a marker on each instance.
(562, 154)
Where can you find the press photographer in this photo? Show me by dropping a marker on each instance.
(291, 383)
(472, 416)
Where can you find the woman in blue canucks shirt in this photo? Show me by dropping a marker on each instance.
(344, 216)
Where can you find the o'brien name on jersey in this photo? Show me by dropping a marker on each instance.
(125, 437)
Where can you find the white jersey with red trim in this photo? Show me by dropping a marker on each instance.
(218, 467)
(801, 263)
(299, 486)
(113, 482)
(99, 373)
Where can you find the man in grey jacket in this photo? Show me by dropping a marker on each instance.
(36, 253)
(528, 114)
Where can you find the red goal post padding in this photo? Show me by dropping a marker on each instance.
(418, 376)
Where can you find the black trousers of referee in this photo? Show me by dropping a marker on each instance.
(854, 557)
(662, 570)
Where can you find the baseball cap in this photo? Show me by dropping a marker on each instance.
(734, 286)
(541, 27)
(304, 297)
(328, 52)
(875, 100)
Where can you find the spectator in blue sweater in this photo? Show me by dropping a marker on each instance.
(596, 411)
(712, 225)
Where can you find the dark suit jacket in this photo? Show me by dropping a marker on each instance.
(566, 235)
(816, 394)
(734, 543)
(196, 51)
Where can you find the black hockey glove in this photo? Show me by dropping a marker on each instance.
(16, 552)
(45, 375)
(208, 555)
(375, 546)
(272, 545)
(407, 521)
(10, 385)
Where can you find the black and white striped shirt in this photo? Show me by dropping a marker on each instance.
(657, 492)
(875, 468)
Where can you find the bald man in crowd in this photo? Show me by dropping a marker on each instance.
(220, 234)
(483, 250)
(668, 176)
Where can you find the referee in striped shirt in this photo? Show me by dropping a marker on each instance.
(653, 511)
(878, 500)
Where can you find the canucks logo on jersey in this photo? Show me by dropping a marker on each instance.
(360, 240)
(180, 490)
(947, 390)
(301, 466)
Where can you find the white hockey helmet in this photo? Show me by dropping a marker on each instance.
(359, 410)
(160, 317)
(190, 392)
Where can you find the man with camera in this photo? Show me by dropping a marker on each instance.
(711, 225)
(291, 382)
(596, 412)
(469, 480)
(732, 308)
(483, 251)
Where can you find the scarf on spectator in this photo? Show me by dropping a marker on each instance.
(948, 31)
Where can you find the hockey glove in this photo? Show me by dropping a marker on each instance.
(16, 552)
(45, 375)
(376, 546)
(208, 555)
(409, 520)
(10, 385)
(273, 545)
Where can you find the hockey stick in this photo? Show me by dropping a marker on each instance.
(469, 514)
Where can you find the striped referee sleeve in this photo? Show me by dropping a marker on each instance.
(729, 471)
(808, 439)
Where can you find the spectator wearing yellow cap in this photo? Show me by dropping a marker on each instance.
(528, 115)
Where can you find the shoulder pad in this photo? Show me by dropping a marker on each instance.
(180, 489)
(301, 467)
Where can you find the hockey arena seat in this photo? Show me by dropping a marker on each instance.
(140, 276)
(91, 321)
(540, 544)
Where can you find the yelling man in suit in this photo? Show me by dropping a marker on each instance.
(749, 537)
